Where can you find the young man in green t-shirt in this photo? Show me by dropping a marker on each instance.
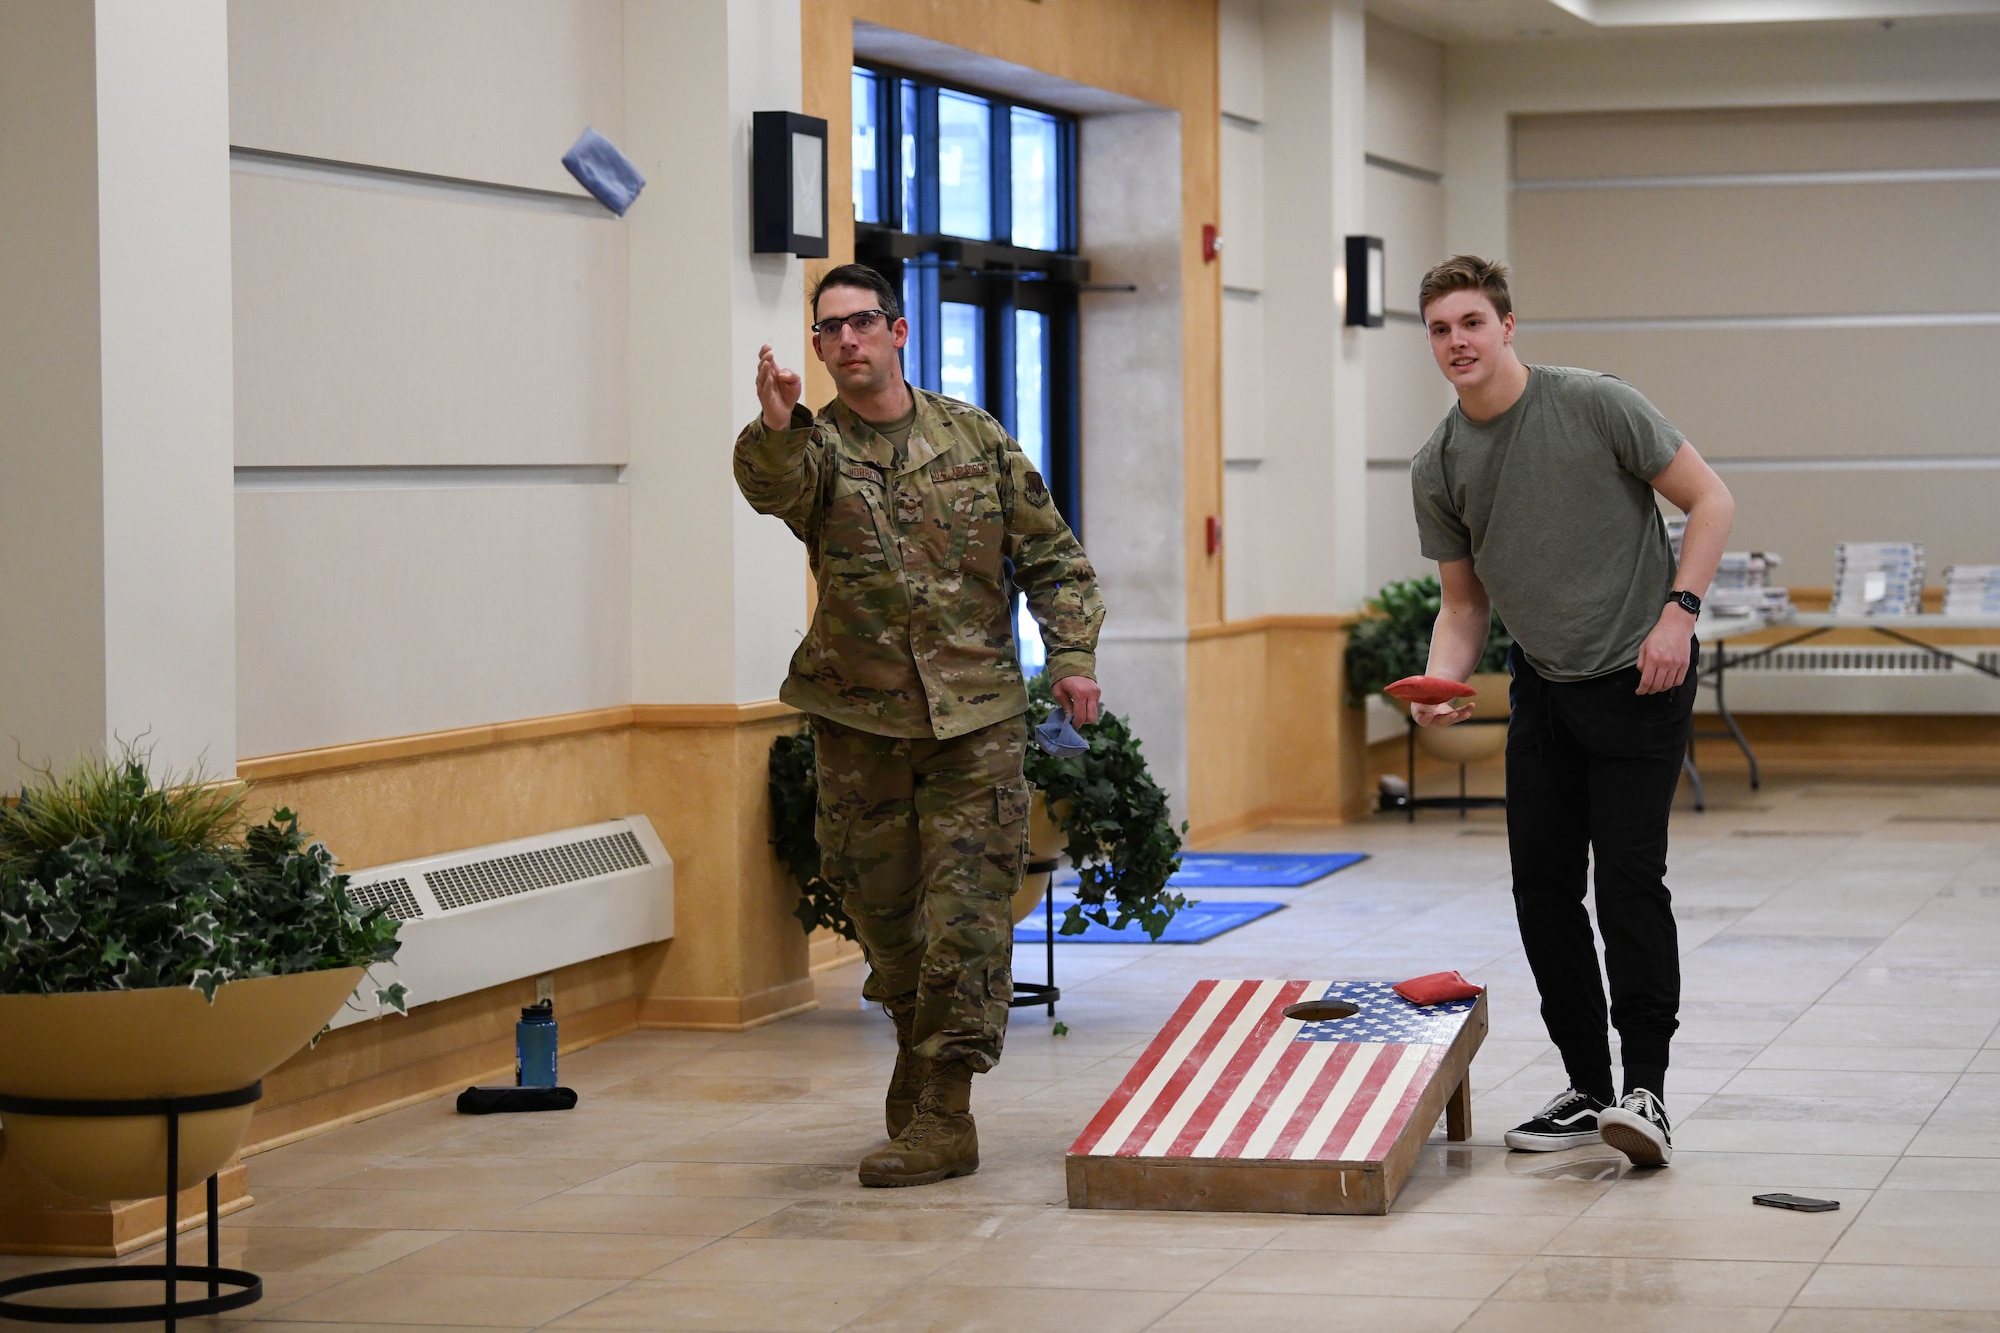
(1535, 497)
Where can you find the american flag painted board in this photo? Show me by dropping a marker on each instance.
(1236, 1107)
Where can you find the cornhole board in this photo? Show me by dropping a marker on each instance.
(1236, 1107)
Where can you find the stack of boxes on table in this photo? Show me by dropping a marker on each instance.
(1742, 585)
(1972, 590)
(1878, 578)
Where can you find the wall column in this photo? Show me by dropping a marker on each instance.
(1134, 479)
(1315, 380)
(117, 535)
(116, 484)
(718, 592)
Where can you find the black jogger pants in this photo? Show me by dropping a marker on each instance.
(1591, 770)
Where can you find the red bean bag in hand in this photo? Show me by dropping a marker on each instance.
(1436, 988)
(1428, 690)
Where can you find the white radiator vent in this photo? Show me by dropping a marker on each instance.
(1858, 678)
(1859, 660)
(524, 872)
(392, 895)
(489, 915)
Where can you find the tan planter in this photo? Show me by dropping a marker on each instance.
(1462, 744)
(1046, 842)
(166, 1042)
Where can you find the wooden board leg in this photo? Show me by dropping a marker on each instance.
(1458, 1111)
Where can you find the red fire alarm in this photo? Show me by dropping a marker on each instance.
(1211, 243)
(1214, 534)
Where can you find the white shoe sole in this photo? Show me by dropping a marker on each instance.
(1515, 1139)
(1635, 1136)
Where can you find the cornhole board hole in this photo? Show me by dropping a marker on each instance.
(1238, 1106)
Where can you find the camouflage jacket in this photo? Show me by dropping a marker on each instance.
(912, 635)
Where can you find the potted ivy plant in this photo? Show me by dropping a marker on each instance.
(156, 943)
(1395, 639)
(1103, 807)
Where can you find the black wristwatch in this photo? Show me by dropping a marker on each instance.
(1689, 602)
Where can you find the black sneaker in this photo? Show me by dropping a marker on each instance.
(1568, 1121)
(1638, 1127)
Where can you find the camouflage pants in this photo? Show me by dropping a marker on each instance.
(926, 840)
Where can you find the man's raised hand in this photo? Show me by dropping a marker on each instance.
(778, 390)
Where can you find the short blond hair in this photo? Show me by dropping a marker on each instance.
(1463, 273)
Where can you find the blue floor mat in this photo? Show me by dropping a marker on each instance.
(1246, 870)
(1191, 925)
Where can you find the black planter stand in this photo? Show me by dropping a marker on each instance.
(1411, 802)
(1029, 993)
(171, 1273)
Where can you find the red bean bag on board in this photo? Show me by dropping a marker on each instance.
(1436, 988)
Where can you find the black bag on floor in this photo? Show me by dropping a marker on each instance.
(486, 1101)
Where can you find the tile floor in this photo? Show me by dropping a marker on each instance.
(1842, 960)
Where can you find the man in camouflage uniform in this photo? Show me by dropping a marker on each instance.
(912, 505)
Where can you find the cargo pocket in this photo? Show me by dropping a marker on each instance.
(1012, 801)
(830, 831)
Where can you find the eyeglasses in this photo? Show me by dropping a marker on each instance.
(863, 322)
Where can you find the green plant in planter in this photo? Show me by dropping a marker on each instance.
(794, 816)
(1396, 641)
(112, 881)
(1120, 836)
(1122, 840)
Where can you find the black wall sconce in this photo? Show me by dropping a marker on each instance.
(788, 184)
(1365, 281)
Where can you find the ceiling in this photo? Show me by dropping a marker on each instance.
(1531, 20)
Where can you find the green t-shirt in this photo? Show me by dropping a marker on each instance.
(897, 432)
(1550, 500)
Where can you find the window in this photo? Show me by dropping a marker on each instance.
(868, 120)
(967, 203)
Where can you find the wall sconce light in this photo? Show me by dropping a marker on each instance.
(1364, 282)
(788, 184)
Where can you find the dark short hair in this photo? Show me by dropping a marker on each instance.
(864, 277)
(1463, 273)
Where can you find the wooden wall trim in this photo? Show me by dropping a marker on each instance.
(709, 715)
(728, 1013)
(362, 753)
(1228, 629)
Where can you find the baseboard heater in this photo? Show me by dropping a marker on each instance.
(489, 915)
(1857, 678)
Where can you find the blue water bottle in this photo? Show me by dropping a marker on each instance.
(535, 1046)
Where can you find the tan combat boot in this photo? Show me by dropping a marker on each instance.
(940, 1142)
(912, 1070)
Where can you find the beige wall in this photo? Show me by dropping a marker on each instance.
(384, 322)
(1304, 537)
(1829, 421)
(1820, 335)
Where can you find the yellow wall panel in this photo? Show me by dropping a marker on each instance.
(375, 327)
(1812, 393)
(1786, 138)
(485, 90)
(1756, 250)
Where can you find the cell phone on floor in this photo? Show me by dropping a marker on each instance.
(1798, 1203)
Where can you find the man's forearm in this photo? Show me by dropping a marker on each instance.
(1708, 525)
(773, 468)
(1458, 639)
